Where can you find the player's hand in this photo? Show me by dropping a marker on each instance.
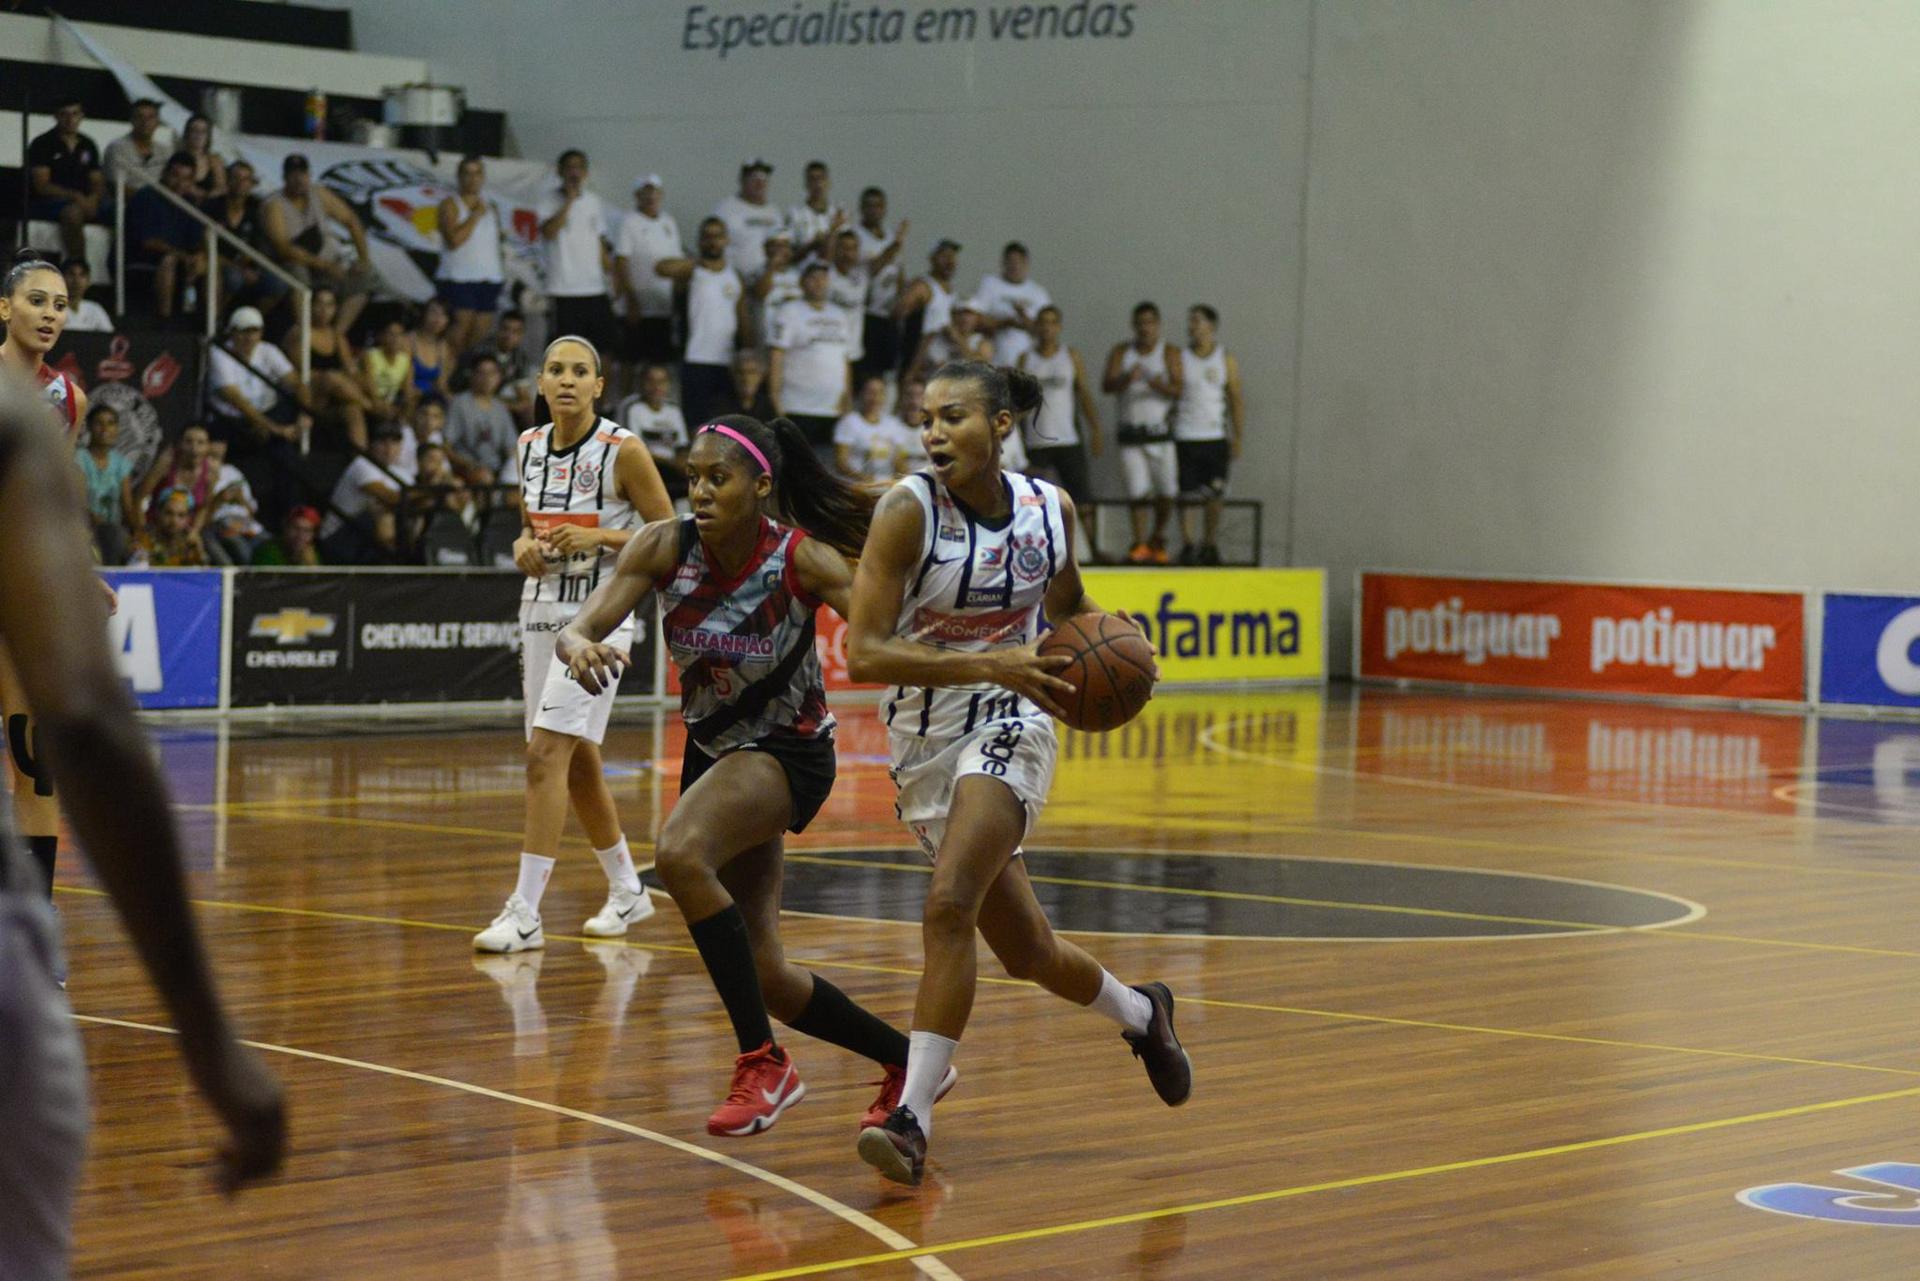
(597, 667)
(529, 555)
(571, 539)
(1032, 676)
(113, 597)
(249, 1102)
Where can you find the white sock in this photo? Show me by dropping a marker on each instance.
(928, 1054)
(1130, 1009)
(617, 862)
(534, 872)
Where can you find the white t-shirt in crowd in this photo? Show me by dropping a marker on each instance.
(808, 224)
(662, 430)
(89, 317)
(873, 446)
(574, 269)
(255, 390)
(785, 289)
(748, 227)
(847, 290)
(883, 289)
(997, 298)
(908, 439)
(643, 241)
(819, 344)
(350, 498)
(713, 319)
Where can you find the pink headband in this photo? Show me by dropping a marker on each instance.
(745, 444)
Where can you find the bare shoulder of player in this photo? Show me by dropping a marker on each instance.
(653, 550)
(898, 525)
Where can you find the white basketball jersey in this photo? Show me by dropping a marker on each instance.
(1202, 414)
(977, 588)
(574, 486)
(1052, 427)
(1143, 411)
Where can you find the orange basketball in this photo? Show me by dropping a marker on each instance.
(1111, 673)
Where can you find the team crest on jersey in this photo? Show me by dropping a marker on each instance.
(586, 478)
(1029, 559)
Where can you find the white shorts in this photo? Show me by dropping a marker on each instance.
(555, 701)
(1019, 752)
(1150, 469)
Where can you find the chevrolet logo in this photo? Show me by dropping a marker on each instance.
(291, 626)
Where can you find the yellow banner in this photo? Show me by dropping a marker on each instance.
(1224, 624)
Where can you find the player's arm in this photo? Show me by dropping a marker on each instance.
(647, 558)
(1235, 409)
(824, 573)
(51, 618)
(875, 654)
(1066, 594)
(1083, 396)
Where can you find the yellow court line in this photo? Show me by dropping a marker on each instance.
(994, 981)
(923, 1261)
(1239, 896)
(1330, 1185)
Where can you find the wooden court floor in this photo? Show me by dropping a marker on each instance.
(1474, 988)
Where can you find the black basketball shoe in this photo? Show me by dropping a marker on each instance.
(898, 1149)
(1167, 1064)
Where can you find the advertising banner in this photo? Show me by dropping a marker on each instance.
(165, 635)
(1223, 624)
(1867, 771)
(1870, 650)
(304, 637)
(1587, 637)
(150, 379)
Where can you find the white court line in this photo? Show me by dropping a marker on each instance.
(928, 1265)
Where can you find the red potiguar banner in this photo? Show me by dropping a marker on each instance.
(1590, 637)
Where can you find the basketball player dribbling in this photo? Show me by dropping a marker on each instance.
(586, 484)
(51, 617)
(961, 560)
(739, 592)
(34, 308)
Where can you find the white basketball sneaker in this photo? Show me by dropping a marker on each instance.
(516, 929)
(623, 907)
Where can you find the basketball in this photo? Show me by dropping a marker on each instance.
(1111, 673)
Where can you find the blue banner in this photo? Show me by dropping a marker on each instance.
(166, 634)
(1870, 650)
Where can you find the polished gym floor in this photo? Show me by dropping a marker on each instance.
(1475, 987)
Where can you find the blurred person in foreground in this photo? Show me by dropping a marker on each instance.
(52, 621)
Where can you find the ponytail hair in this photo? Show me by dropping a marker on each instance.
(26, 261)
(1005, 388)
(806, 494)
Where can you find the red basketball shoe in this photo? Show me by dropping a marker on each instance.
(765, 1084)
(890, 1089)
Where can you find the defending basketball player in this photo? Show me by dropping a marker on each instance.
(52, 618)
(739, 592)
(586, 485)
(33, 315)
(960, 562)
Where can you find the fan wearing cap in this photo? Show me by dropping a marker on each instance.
(740, 582)
(260, 406)
(926, 304)
(647, 235)
(750, 219)
(960, 338)
(297, 542)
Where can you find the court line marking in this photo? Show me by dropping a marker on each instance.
(922, 1257)
(995, 981)
(1331, 1185)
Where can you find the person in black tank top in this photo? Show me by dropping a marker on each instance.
(978, 882)
(51, 619)
(759, 757)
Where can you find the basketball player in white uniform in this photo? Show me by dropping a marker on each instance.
(586, 484)
(1209, 401)
(1144, 376)
(961, 560)
(1053, 437)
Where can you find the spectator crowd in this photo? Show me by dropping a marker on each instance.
(810, 311)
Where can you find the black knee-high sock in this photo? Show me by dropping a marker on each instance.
(722, 940)
(45, 850)
(831, 1016)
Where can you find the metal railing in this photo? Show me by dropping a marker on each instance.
(215, 235)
